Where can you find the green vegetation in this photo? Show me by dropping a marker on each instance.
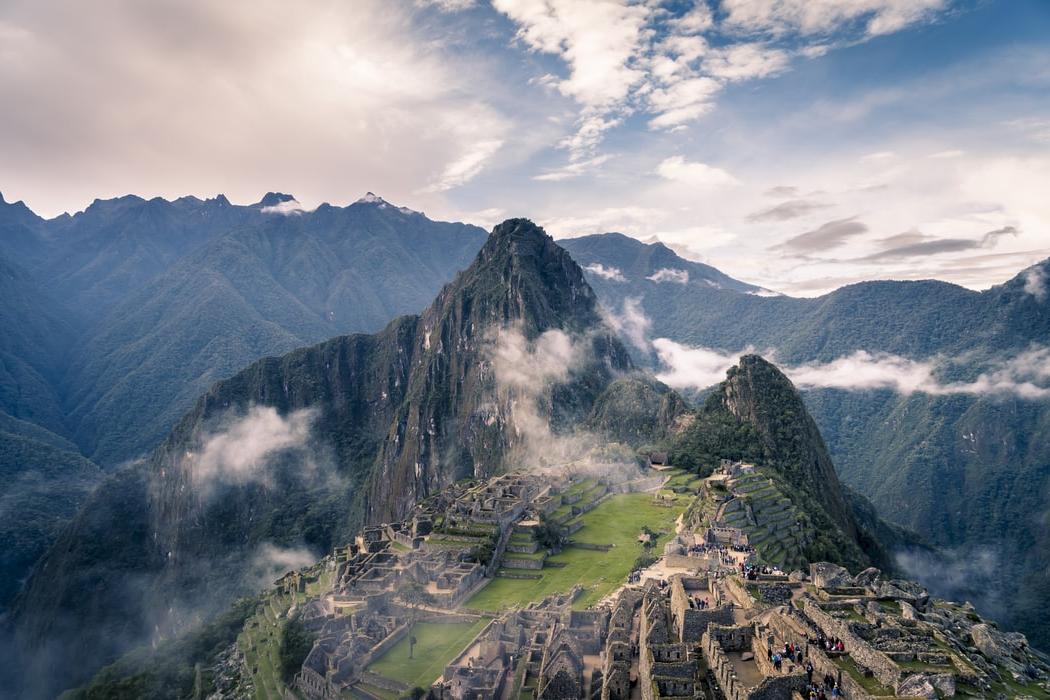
(296, 642)
(436, 645)
(169, 671)
(616, 521)
(869, 683)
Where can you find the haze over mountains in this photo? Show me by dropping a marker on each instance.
(122, 316)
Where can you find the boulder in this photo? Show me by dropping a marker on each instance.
(867, 577)
(944, 684)
(908, 611)
(797, 576)
(919, 685)
(827, 575)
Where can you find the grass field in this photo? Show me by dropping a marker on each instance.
(617, 521)
(436, 645)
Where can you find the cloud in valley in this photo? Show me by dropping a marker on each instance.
(632, 323)
(1025, 375)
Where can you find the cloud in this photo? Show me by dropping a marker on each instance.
(526, 366)
(288, 207)
(448, 5)
(632, 324)
(916, 244)
(785, 211)
(746, 62)
(829, 235)
(808, 17)
(1025, 375)
(1035, 282)
(269, 562)
(465, 167)
(197, 97)
(695, 174)
(669, 274)
(241, 452)
(687, 367)
(573, 169)
(609, 273)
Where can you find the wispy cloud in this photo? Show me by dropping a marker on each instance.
(670, 274)
(785, 211)
(465, 167)
(608, 273)
(1025, 375)
(829, 235)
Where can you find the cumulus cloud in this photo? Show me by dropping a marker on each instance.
(609, 273)
(746, 62)
(241, 452)
(669, 274)
(624, 56)
(828, 235)
(694, 173)
(1035, 282)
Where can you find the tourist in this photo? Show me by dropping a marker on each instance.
(809, 672)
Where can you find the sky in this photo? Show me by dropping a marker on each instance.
(796, 144)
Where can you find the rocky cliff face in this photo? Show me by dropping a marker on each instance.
(299, 451)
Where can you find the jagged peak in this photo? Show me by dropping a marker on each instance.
(272, 199)
(374, 199)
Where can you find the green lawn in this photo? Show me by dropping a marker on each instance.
(617, 521)
(436, 646)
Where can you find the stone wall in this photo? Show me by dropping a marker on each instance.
(722, 668)
(512, 562)
(692, 622)
(887, 672)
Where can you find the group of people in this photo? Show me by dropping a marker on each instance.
(824, 690)
(703, 603)
(829, 643)
(791, 653)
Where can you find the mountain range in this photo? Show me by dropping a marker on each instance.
(512, 365)
(121, 319)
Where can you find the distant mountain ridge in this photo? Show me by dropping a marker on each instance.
(117, 318)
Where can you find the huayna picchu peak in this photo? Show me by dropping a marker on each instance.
(495, 481)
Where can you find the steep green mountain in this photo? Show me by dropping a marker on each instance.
(970, 472)
(757, 416)
(391, 417)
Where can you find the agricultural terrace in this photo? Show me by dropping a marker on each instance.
(617, 521)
